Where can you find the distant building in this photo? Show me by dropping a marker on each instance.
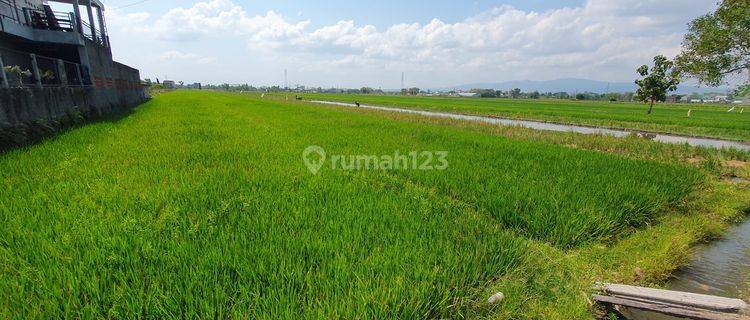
(168, 84)
(468, 94)
(720, 98)
(696, 101)
(674, 98)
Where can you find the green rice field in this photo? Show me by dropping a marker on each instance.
(708, 120)
(199, 205)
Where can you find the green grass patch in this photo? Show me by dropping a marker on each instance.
(199, 205)
(706, 120)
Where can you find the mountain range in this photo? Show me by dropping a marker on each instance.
(572, 85)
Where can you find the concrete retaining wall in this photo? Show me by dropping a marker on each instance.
(29, 114)
(23, 105)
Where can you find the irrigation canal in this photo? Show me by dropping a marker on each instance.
(720, 268)
(547, 126)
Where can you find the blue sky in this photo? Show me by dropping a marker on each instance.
(378, 13)
(436, 43)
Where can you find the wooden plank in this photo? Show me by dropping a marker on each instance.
(675, 297)
(671, 310)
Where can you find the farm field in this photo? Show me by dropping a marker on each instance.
(706, 120)
(199, 205)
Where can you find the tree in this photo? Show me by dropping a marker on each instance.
(484, 93)
(655, 85)
(742, 91)
(367, 90)
(561, 95)
(718, 44)
(628, 96)
(613, 96)
(515, 93)
(414, 91)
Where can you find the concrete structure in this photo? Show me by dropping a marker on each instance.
(60, 59)
(168, 84)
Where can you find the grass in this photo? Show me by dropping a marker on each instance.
(706, 120)
(199, 205)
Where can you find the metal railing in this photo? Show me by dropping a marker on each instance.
(88, 34)
(49, 20)
(23, 69)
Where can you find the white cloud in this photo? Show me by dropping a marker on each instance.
(616, 34)
(127, 22)
(173, 55)
(222, 17)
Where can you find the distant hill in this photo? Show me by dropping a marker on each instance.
(572, 85)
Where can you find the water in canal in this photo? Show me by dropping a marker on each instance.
(720, 268)
(540, 125)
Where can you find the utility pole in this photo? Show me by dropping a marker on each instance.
(402, 81)
(286, 81)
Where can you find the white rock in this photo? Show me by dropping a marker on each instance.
(496, 298)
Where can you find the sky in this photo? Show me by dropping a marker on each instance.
(439, 43)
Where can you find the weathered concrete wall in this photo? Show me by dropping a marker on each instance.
(22, 105)
(25, 105)
(28, 114)
(115, 84)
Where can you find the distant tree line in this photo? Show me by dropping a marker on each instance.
(250, 88)
(519, 94)
(480, 93)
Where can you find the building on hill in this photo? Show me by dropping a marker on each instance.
(61, 59)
